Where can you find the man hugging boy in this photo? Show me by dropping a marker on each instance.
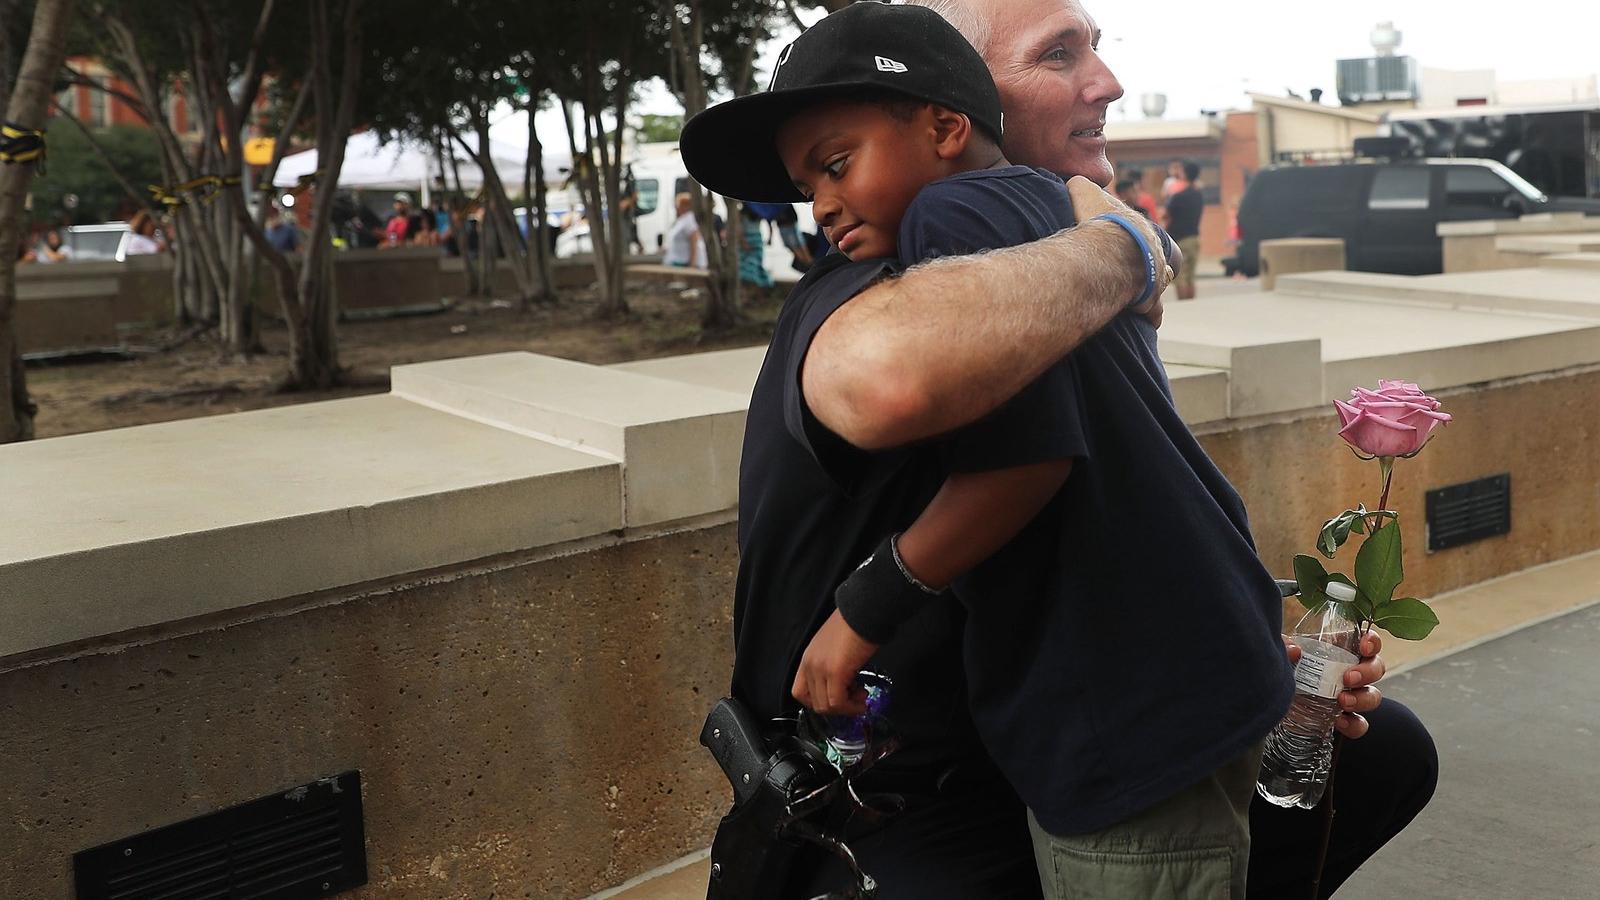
(1105, 565)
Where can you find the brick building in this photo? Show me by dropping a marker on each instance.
(99, 109)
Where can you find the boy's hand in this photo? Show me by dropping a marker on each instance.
(1090, 200)
(828, 669)
(1358, 696)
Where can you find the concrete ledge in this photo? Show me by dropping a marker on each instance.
(1542, 291)
(1200, 394)
(656, 272)
(680, 445)
(1272, 369)
(1543, 223)
(118, 530)
(57, 315)
(1286, 256)
(1546, 244)
(1587, 261)
(1362, 341)
(734, 371)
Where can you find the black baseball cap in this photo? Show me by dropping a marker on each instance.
(865, 48)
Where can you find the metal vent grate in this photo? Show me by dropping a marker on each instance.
(308, 842)
(1463, 513)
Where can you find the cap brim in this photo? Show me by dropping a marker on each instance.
(732, 148)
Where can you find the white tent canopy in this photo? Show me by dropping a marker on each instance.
(405, 165)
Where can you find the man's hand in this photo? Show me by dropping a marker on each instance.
(1359, 695)
(828, 670)
(1090, 200)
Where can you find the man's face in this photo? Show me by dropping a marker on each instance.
(861, 167)
(1054, 87)
(1175, 170)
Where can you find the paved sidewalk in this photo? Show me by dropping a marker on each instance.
(1517, 812)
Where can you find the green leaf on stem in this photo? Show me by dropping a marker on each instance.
(1310, 577)
(1407, 618)
(1378, 570)
(1337, 530)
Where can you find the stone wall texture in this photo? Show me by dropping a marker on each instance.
(529, 729)
(530, 732)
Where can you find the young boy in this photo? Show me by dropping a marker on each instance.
(889, 124)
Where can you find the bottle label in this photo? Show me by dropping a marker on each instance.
(1321, 669)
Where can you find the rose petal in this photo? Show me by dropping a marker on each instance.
(1347, 413)
(1376, 436)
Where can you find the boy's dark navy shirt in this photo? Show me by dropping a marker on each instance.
(1121, 647)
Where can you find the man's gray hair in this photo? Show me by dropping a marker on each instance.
(972, 23)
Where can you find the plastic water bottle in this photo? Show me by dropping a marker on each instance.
(849, 736)
(1299, 752)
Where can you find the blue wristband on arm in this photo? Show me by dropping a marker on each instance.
(1144, 247)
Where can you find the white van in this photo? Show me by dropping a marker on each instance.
(659, 176)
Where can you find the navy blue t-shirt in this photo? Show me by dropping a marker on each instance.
(811, 508)
(1125, 643)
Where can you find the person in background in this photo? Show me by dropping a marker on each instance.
(1184, 210)
(686, 247)
(396, 230)
(628, 206)
(425, 235)
(1128, 192)
(52, 250)
(1143, 201)
(789, 230)
(282, 233)
(25, 253)
(752, 264)
(143, 239)
(1175, 180)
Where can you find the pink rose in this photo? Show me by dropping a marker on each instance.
(1394, 420)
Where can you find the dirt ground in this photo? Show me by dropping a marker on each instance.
(196, 378)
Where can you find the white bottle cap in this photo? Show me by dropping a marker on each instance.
(1338, 590)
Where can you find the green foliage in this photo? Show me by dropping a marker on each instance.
(1378, 573)
(1378, 564)
(76, 169)
(1338, 529)
(1312, 580)
(654, 129)
(1407, 618)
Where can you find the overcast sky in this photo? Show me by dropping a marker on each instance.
(1207, 55)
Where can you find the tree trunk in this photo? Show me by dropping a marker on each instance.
(458, 219)
(539, 227)
(497, 210)
(28, 103)
(722, 293)
(313, 310)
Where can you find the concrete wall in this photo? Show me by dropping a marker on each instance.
(58, 312)
(521, 732)
(503, 591)
(70, 306)
(1504, 243)
(1295, 474)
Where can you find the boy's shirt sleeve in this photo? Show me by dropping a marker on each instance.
(1042, 423)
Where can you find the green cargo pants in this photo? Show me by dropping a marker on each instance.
(1194, 845)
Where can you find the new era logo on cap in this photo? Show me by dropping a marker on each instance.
(886, 64)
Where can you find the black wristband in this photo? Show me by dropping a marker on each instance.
(880, 594)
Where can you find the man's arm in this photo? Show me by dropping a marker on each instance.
(949, 341)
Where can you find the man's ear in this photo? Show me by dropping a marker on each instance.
(951, 131)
